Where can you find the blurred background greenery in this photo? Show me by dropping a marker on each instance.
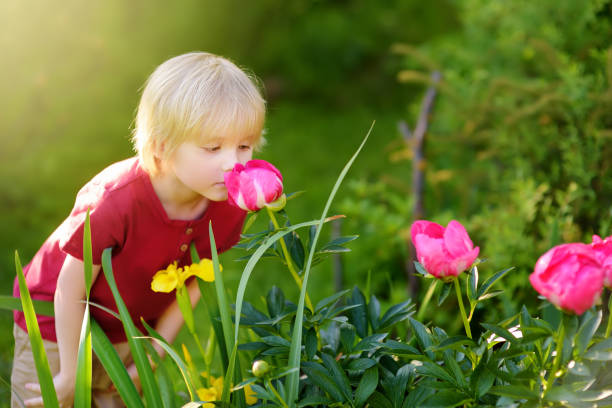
(518, 147)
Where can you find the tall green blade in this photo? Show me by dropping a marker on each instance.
(82, 390)
(45, 378)
(145, 372)
(208, 296)
(114, 367)
(296, 340)
(41, 307)
(226, 322)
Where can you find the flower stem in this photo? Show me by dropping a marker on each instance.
(427, 298)
(295, 275)
(558, 356)
(466, 324)
(609, 327)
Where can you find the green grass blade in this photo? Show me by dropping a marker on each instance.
(82, 390)
(180, 364)
(145, 372)
(38, 350)
(208, 296)
(296, 340)
(87, 256)
(226, 322)
(164, 379)
(114, 367)
(41, 307)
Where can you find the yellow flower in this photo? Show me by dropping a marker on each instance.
(203, 270)
(167, 279)
(249, 395)
(208, 394)
(173, 277)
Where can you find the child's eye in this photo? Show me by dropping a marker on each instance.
(212, 148)
(245, 147)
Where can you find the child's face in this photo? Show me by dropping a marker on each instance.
(199, 166)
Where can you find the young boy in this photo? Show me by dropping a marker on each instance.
(199, 115)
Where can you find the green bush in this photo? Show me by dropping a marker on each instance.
(519, 140)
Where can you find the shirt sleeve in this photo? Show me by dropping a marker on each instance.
(106, 222)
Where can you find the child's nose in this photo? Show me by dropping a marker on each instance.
(229, 161)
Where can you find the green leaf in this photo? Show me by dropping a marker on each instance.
(373, 312)
(179, 363)
(367, 385)
(370, 341)
(586, 331)
(444, 292)
(275, 300)
(145, 373)
(454, 342)
(396, 314)
(226, 324)
(340, 241)
(435, 371)
(595, 355)
(500, 331)
(420, 268)
(358, 315)
(310, 343)
(451, 365)
(360, 364)
(320, 377)
(43, 371)
(489, 282)
(276, 341)
(347, 336)
(41, 307)
(568, 397)
(330, 300)
(446, 399)
(296, 249)
(338, 375)
(472, 285)
(421, 333)
(113, 365)
(379, 400)
(397, 384)
(82, 391)
(518, 392)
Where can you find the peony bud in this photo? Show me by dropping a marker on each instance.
(443, 252)
(260, 368)
(603, 252)
(569, 276)
(254, 185)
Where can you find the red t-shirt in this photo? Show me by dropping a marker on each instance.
(125, 214)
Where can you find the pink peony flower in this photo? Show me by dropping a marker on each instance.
(569, 276)
(254, 185)
(444, 252)
(603, 252)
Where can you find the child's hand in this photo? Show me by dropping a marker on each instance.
(64, 387)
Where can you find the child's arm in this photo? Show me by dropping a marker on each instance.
(69, 310)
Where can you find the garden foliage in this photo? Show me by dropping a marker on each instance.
(519, 140)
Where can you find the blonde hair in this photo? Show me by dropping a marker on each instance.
(194, 97)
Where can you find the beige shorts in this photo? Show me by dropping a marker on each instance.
(24, 371)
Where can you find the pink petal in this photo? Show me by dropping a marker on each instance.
(262, 164)
(456, 239)
(430, 253)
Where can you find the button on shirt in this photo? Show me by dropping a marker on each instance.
(127, 216)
